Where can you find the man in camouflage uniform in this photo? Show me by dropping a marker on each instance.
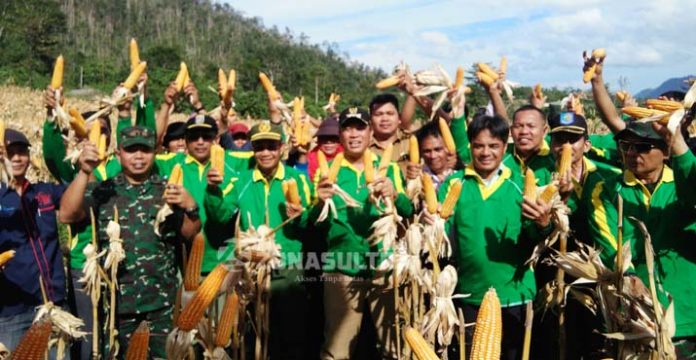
(147, 278)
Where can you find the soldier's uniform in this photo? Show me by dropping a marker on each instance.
(147, 278)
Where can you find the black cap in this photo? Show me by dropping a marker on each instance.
(15, 137)
(175, 130)
(640, 129)
(569, 122)
(354, 114)
(204, 122)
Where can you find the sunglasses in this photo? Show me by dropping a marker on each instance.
(207, 136)
(135, 148)
(639, 147)
(265, 145)
(562, 138)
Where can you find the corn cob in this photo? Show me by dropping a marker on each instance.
(193, 264)
(429, 193)
(6, 256)
(139, 343)
(232, 80)
(459, 78)
(503, 65)
(336, 98)
(292, 194)
(181, 77)
(451, 199)
(95, 133)
(548, 193)
(57, 78)
(530, 185)
(485, 79)
(335, 167)
(447, 136)
(385, 160)
(587, 75)
(537, 91)
(621, 95)
(34, 343)
(101, 149)
(600, 53)
(369, 168)
(2, 133)
(206, 293)
(268, 86)
(387, 82)
(223, 88)
(134, 75)
(418, 345)
(413, 150)
(486, 343)
(77, 123)
(176, 177)
(217, 159)
(297, 119)
(228, 320)
(664, 105)
(484, 68)
(638, 112)
(323, 164)
(566, 159)
(134, 54)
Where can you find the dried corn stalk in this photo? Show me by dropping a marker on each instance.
(66, 327)
(385, 229)
(441, 319)
(405, 259)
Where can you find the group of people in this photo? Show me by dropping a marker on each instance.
(493, 229)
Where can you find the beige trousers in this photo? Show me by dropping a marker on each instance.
(344, 300)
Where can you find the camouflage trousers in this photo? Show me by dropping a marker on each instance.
(160, 322)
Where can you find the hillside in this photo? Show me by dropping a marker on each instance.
(93, 36)
(669, 85)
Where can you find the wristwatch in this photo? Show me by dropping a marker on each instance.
(192, 213)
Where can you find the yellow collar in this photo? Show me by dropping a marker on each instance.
(630, 179)
(487, 191)
(191, 159)
(279, 174)
(346, 163)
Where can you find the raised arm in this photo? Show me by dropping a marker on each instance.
(606, 108)
(72, 203)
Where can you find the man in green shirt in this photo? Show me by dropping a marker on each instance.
(663, 197)
(147, 275)
(350, 281)
(490, 239)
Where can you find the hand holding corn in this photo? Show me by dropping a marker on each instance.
(89, 158)
(592, 70)
(539, 211)
(176, 195)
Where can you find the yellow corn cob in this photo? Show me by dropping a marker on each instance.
(6, 256)
(193, 264)
(217, 159)
(530, 192)
(77, 123)
(268, 86)
(34, 342)
(385, 160)
(420, 347)
(223, 89)
(537, 91)
(139, 343)
(134, 75)
(232, 80)
(387, 82)
(134, 54)
(336, 98)
(2, 133)
(451, 199)
(459, 78)
(57, 78)
(484, 68)
(369, 168)
(95, 133)
(621, 95)
(664, 105)
(101, 149)
(228, 320)
(484, 79)
(587, 75)
(323, 164)
(176, 177)
(486, 343)
(206, 293)
(447, 138)
(503, 65)
(566, 159)
(292, 194)
(413, 150)
(638, 112)
(600, 53)
(548, 193)
(296, 114)
(429, 193)
(335, 167)
(467, 90)
(181, 77)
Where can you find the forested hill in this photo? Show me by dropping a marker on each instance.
(93, 36)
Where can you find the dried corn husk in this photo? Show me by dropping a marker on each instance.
(442, 319)
(405, 259)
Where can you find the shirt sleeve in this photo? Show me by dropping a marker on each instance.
(54, 153)
(221, 204)
(145, 115)
(684, 167)
(458, 129)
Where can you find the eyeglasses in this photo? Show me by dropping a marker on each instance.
(639, 147)
(206, 135)
(138, 132)
(265, 145)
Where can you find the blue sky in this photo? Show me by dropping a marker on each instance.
(646, 41)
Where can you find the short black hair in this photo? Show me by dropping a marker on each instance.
(675, 95)
(496, 125)
(431, 128)
(529, 107)
(384, 99)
